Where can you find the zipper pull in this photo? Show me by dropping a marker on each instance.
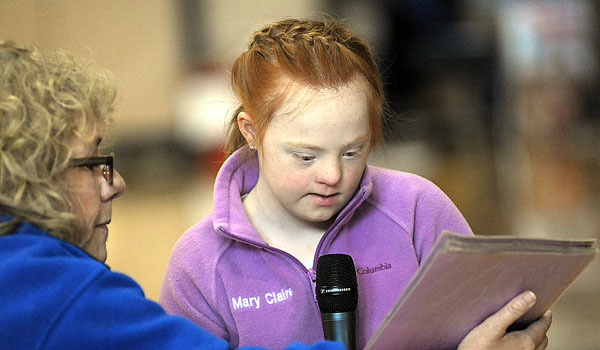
(312, 275)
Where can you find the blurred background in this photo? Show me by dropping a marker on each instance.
(496, 101)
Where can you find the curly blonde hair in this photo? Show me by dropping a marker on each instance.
(317, 54)
(45, 100)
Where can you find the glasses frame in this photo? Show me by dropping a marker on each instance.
(107, 169)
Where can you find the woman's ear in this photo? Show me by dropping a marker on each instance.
(246, 126)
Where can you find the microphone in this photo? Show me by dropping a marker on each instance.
(337, 296)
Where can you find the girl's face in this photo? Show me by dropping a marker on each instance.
(314, 153)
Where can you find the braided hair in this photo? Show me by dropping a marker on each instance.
(314, 54)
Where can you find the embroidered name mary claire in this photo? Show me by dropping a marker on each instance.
(255, 302)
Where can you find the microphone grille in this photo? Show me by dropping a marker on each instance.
(336, 286)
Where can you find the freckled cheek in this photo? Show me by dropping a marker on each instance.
(288, 185)
(294, 182)
(356, 173)
(353, 175)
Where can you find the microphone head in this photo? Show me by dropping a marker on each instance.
(336, 287)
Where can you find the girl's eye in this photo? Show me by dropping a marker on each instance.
(304, 157)
(352, 153)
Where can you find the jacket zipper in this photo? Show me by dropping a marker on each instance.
(310, 273)
(343, 214)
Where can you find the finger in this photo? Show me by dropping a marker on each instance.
(511, 312)
(538, 329)
(543, 345)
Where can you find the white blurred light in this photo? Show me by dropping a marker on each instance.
(203, 106)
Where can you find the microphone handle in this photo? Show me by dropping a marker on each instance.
(340, 326)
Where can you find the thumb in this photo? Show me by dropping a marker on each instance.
(511, 312)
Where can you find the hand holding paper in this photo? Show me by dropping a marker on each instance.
(455, 295)
(491, 334)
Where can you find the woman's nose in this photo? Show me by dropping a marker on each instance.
(116, 189)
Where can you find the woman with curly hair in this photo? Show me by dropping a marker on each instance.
(56, 192)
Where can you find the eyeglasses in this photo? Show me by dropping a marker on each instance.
(91, 162)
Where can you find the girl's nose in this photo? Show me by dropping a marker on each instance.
(330, 173)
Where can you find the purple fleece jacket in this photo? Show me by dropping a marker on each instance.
(224, 277)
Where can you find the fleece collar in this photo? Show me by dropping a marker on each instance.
(237, 176)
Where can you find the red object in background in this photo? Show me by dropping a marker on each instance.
(208, 162)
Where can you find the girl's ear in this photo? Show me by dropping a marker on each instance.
(246, 126)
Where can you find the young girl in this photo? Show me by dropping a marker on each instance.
(297, 186)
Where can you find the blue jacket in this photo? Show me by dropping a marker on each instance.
(55, 296)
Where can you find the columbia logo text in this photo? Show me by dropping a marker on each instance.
(368, 270)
